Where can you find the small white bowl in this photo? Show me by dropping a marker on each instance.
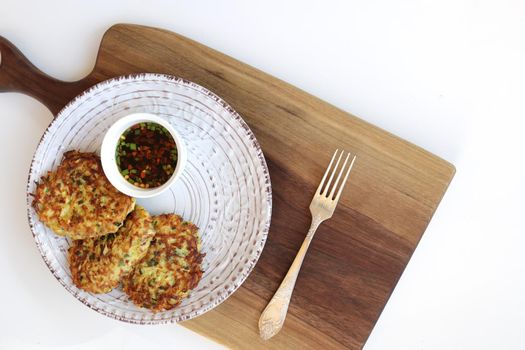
(109, 163)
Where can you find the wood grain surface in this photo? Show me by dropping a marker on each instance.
(356, 258)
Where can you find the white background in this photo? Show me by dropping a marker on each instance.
(446, 75)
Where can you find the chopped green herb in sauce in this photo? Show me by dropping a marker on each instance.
(146, 155)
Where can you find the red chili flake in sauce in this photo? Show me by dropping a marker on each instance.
(146, 155)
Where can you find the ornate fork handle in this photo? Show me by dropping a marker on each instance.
(322, 208)
(272, 318)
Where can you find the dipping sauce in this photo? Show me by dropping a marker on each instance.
(146, 155)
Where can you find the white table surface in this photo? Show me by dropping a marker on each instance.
(446, 75)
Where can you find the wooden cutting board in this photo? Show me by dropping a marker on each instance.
(356, 258)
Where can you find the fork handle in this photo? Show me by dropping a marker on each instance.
(273, 316)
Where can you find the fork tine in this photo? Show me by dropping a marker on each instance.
(326, 173)
(341, 171)
(344, 181)
(325, 191)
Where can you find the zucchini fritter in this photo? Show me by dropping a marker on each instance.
(171, 267)
(98, 264)
(78, 201)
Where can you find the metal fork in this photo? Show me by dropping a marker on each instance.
(322, 208)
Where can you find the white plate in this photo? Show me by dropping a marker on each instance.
(225, 187)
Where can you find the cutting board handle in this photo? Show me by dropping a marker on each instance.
(18, 74)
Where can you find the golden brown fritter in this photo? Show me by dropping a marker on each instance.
(171, 267)
(78, 201)
(98, 264)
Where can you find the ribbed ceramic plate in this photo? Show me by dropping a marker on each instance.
(225, 188)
